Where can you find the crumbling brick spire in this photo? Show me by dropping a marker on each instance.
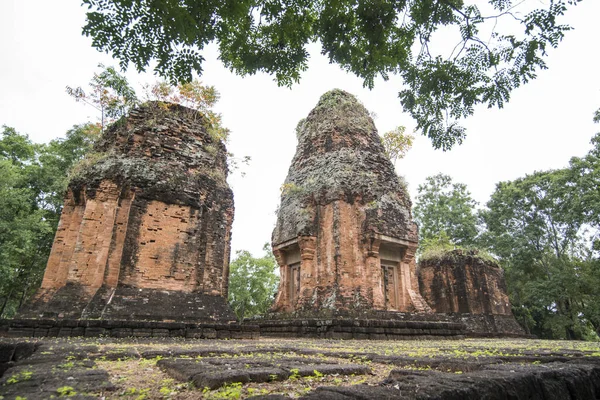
(344, 238)
(145, 231)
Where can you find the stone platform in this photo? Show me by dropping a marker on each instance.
(121, 329)
(389, 325)
(341, 328)
(268, 368)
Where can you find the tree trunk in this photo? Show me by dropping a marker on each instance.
(23, 296)
(5, 303)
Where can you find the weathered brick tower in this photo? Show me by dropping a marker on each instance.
(464, 283)
(345, 243)
(145, 230)
(344, 240)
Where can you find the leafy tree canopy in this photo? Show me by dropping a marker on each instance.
(445, 213)
(545, 229)
(32, 182)
(252, 283)
(369, 38)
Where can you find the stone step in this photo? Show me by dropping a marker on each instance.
(419, 302)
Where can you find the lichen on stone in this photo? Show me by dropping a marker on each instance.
(162, 150)
(458, 256)
(340, 156)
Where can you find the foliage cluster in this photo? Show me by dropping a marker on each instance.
(252, 283)
(193, 95)
(110, 93)
(397, 143)
(499, 45)
(113, 96)
(445, 213)
(33, 178)
(543, 228)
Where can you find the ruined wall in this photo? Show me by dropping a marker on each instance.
(150, 209)
(459, 282)
(340, 202)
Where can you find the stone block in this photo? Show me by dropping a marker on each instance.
(65, 332)
(194, 333)
(209, 333)
(160, 332)
(20, 332)
(40, 332)
(81, 331)
(177, 333)
(121, 332)
(142, 332)
(94, 331)
(223, 334)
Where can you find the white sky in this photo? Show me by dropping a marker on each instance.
(546, 122)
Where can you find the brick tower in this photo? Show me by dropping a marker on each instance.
(145, 229)
(344, 240)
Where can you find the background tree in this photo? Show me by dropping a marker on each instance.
(445, 213)
(545, 227)
(397, 143)
(252, 283)
(368, 38)
(32, 182)
(540, 244)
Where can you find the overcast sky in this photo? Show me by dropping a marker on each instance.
(546, 122)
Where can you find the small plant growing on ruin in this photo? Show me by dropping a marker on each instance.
(397, 143)
(110, 94)
(66, 391)
(228, 391)
(67, 365)
(19, 377)
(295, 374)
(291, 189)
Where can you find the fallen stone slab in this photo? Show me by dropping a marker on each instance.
(214, 373)
(42, 371)
(554, 381)
(43, 381)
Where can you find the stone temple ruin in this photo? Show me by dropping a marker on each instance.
(145, 230)
(344, 237)
(345, 241)
(470, 287)
(144, 237)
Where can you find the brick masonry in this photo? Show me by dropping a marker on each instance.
(345, 241)
(343, 209)
(464, 283)
(112, 328)
(150, 210)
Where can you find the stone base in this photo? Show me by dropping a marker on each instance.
(476, 325)
(489, 325)
(341, 328)
(410, 324)
(116, 328)
(73, 301)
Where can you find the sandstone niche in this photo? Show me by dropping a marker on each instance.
(344, 239)
(145, 229)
